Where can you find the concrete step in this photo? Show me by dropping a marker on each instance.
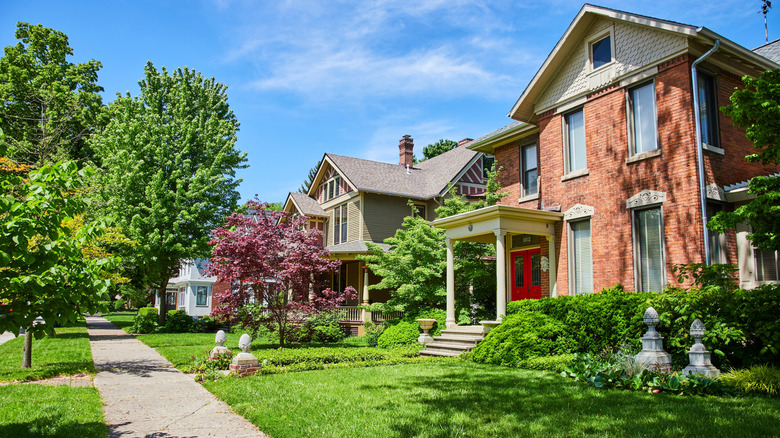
(441, 353)
(457, 340)
(464, 329)
(452, 345)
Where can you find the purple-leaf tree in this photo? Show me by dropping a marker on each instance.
(276, 267)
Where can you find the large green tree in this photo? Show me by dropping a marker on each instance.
(757, 109)
(43, 272)
(48, 105)
(438, 148)
(169, 163)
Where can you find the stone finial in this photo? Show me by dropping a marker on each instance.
(220, 338)
(698, 356)
(651, 318)
(244, 342)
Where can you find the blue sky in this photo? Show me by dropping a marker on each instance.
(346, 77)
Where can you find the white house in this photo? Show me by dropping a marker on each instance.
(191, 290)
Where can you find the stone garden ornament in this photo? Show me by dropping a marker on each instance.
(653, 355)
(244, 363)
(220, 349)
(698, 356)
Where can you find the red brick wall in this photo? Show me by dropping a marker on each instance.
(218, 287)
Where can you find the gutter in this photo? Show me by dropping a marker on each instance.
(700, 149)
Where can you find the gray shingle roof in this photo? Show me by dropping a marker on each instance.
(423, 181)
(307, 205)
(497, 132)
(770, 51)
(358, 246)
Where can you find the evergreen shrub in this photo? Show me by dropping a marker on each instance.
(145, 321)
(402, 333)
(519, 337)
(179, 322)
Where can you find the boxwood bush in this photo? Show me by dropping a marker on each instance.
(529, 334)
(402, 333)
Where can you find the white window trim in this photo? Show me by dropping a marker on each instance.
(716, 121)
(567, 172)
(577, 213)
(635, 240)
(596, 37)
(631, 125)
(208, 295)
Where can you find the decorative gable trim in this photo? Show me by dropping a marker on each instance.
(579, 211)
(645, 198)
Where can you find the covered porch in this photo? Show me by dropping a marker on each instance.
(515, 232)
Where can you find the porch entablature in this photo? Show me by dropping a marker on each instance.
(480, 225)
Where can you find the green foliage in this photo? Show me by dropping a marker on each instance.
(373, 332)
(758, 379)
(145, 321)
(323, 327)
(594, 321)
(169, 163)
(757, 109)
(493, 193)
(403, 333)
(556, 363)
(206, 368)
(615, 370)
(522, 336)
(704, 275)
(438, 148)
(66, 353)
(119, 304)
(44, 272)
(179, 322)
(50, 105)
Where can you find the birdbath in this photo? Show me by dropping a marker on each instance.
(425, 325)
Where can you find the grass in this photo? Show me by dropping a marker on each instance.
(66, 353)
(443, 399)
(50, 411)
(121, 319)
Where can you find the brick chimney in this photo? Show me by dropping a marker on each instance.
(405, 151)
(464, 141)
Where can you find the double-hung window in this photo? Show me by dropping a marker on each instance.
(642, 124)
(649, 249)
(708, 110)
(182, 292)
(574, 141)
(601, 52)
(581, 256)
(766, 265)
(201, 295)
(717, 241)
(530, 170)
(340, 224)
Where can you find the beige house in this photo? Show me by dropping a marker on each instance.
(353, 201)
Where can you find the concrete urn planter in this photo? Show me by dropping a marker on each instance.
(425, 325)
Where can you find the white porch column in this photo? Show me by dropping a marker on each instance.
(500, 274)
(451, 322)
(366, 313)
(553, 269)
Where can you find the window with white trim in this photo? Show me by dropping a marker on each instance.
(642, 121)
(182, 292)
(530, 169)
(649, 258)
(340, 224)
(332, 189)
(766, 265)
(574, 141)
(201, 295)
(581, 256)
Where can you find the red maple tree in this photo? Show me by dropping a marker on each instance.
(276, 267)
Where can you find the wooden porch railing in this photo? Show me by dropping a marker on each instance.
(355, 314)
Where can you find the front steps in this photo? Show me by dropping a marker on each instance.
(454, 341)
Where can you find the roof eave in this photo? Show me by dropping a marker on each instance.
(488, 145)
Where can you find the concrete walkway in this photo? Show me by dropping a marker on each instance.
(5, 337)
(145, 396)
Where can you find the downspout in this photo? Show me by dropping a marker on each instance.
(700, 148)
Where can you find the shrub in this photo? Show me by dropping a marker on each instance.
(209, 324)
(403, 333)
(372, 332)
(557, 363)
(439, 315)
(323, 327)
(145, 321)
(758, 379)
(119, 304)
(522, 336)
(179, 322)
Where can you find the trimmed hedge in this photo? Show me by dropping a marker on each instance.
(519, 337)
(742, 325)
(403, 333)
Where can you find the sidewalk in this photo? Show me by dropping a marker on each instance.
(144, 395)
(5, 337)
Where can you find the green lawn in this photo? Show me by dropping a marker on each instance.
(50, 411)
(121, 319)
(66, 353)
(444, 399)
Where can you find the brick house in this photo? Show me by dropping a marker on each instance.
(353, 201)
(608, 180)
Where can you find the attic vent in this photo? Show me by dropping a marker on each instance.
(408, 172)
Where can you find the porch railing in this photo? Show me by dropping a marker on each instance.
(352, 313)
(384, 316)
(355, 314)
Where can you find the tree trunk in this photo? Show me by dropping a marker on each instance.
(163, 303)
(27, 352)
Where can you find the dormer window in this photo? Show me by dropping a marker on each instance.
(601, 52)
(332, 188)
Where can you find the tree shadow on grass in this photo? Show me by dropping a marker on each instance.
(45, 371)
(482, 402)
(50, 427)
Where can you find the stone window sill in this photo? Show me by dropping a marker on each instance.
(576, 174)
(528, 198)
(714, 149)
(643, 156)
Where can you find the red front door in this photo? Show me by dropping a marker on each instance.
(526, 275)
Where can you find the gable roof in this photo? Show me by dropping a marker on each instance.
(524, 110)
(304, 204)
(501, 136)
(423, 181)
